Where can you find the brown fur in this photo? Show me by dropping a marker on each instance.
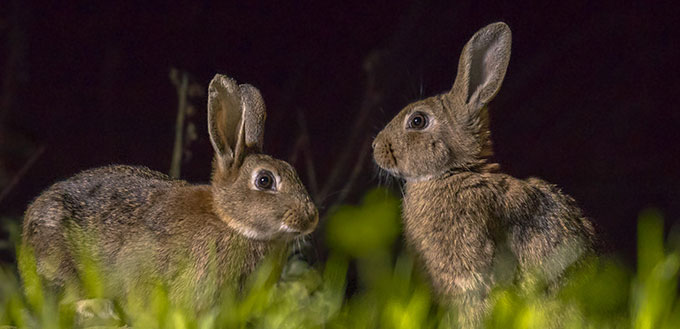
(460, 216)
(141, 225)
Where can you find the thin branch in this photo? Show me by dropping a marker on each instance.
(382, 71)
(306, 150)
(311, 172)
(356, 170)
(297, 149)
(182, 85)
(19, 175)
(382, 68)
(371, 98)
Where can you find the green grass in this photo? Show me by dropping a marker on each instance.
(390, 291)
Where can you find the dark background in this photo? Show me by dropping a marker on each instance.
(589, 101)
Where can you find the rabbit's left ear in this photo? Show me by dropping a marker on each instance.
(254, 115)
(482, 65)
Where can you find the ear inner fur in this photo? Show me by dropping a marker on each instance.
(239, 149)
(224, 119)
(482, 65)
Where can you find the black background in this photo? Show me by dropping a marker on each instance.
(589, 101)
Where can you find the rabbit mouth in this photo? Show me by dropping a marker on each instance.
(288, 229)
(295, 231)
(409, 178)
(394, 172)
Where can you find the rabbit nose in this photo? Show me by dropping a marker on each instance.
(312, 217)
(312, 214)
(380, 141)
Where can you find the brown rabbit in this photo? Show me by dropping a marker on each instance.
(140, 224)
(460, 215)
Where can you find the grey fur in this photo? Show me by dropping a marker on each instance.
(139, 224)
(461, 216)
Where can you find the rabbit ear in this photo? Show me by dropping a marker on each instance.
(482, 65)
(225, 121)
(254, 115)
(236, 116)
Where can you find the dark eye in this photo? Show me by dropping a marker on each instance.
(265, 180)
(417, 121)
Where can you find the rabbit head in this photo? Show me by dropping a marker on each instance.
(255, 194)
(449, 131)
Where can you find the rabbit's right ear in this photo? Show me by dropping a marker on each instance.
(482, 65)
(236, 117)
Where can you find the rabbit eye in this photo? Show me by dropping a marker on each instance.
(417, 121)
(265, 180)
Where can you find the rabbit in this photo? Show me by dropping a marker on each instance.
(461, 216)
(137, 223)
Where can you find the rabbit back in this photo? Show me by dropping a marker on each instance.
(108, 200)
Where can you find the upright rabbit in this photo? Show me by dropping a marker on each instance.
(140, 224)
(459, 214)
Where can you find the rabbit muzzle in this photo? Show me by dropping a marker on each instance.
(383, 154)
(300, 221)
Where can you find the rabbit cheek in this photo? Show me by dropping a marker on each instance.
(426, 157)
(237, 210)
(291, 221)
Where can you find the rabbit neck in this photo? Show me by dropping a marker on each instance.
(242, 254)
(481, 167)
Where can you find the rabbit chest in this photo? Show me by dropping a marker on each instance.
(451, 225)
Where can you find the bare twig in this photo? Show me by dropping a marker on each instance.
(297, 149)
(382, 68)
(381, 73)
(371, 98)
(15, 180)
(181, 84)
(304, 147)
(309, 164)
(358, 165)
